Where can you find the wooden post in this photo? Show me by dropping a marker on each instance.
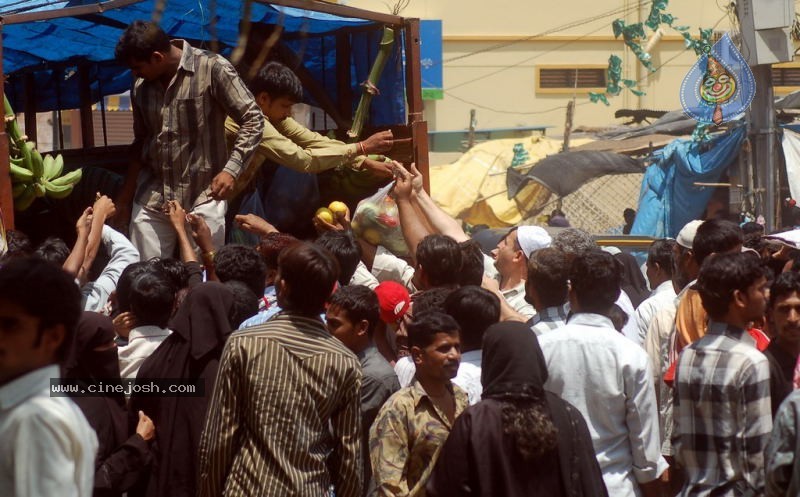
(30, 107)
(471, 135)
(87, 124)
(6, 200)
(419, 128)
(344, 89)
(568, 125)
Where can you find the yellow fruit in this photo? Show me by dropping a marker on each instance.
(338, 208)
(324, 214)
(371, 236)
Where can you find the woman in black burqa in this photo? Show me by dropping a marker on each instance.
(93, 359)
(519, 440)
(192, 352)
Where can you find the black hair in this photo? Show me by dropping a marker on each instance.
(574, 241)
(176, 270)
(596, 277)
(310, 272)
(548, 272)
(44, 291)
(440, 257)
(715, 236)
(660, 252)
(245, 303)
(19, 245)
(471, 263)
(423, 328)
(131, 272)
(360, 303)
(723, 274)
(474, 309)
(431, 300)
(241, 263)
(344, 246)
(783, 286)
(152, 297)
(53, 250)
(271, 246)
(277, 81)
(139, 41)
(752, 228)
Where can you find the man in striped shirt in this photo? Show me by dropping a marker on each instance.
(722, 409)
(181, 98)
(285, 416)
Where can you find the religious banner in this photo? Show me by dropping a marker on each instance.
(720, 86)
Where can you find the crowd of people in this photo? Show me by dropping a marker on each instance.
(331, 366)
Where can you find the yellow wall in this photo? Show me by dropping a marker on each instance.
(508, 98)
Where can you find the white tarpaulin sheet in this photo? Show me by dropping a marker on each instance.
(791, 153)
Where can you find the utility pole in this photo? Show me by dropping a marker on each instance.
(765, 28)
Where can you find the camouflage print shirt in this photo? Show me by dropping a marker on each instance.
(405, 439)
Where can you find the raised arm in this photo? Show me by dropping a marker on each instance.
(414, 230)
(75, 259)
(438, 219)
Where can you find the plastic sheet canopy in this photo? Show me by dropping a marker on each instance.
(54, 49)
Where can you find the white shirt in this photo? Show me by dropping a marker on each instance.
(48, 448)
(363, 277)
(630, 329)
(94, 294)
(608, 379)
(388, 267)
(468, 376)
(142, 342)
(661, 297)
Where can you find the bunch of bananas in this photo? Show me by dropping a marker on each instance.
(32, 175)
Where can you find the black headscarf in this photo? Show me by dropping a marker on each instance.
(476, 459)
(513, 364)
(633, 281)
(83, 361)
(106, 414)
(192, 352)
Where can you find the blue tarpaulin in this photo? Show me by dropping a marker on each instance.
(54, 49)
(668, 198)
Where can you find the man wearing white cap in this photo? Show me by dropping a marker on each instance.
(511, 264)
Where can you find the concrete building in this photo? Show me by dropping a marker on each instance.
(514, 61)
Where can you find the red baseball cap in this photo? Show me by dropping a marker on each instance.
(394, 301)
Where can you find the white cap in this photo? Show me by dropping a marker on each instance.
(531, 238)
(611, 249)
(686, 236)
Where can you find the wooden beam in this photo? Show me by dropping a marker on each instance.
(344, 82)
(30, 107)
(87, 123)
(6, 200)
(81, 10)
(337, 10)
(419, 128)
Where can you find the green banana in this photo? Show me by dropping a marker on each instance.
(57, 191)
(70, 178)
(58, 167)
(17, 189)
(37, 162)
(25, 199)
(16, 161)
(38, 188)
(49, 164)
(27, 157)
(20, 173)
